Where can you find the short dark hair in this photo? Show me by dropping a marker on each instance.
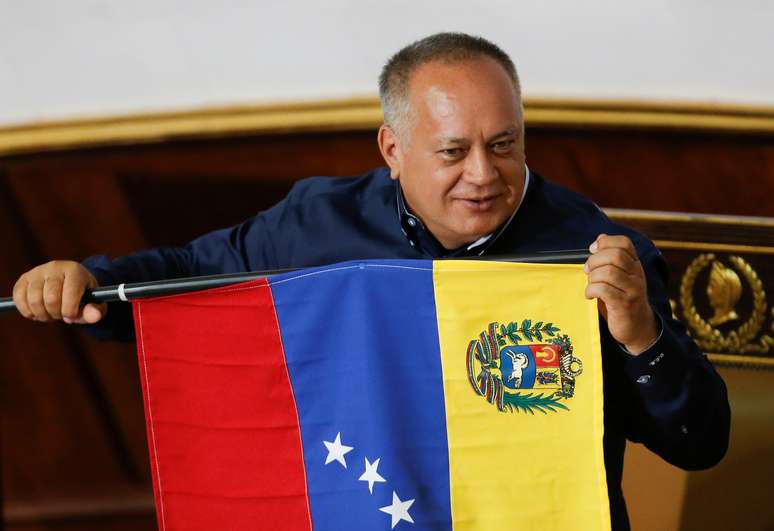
(447, 47)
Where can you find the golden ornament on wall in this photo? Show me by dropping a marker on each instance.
(724, 290)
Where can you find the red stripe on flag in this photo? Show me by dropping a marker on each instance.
(223, 432)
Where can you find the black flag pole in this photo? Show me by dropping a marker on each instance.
(139, 290)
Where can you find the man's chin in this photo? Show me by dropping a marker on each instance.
(473, 226)
(482, 225)
(467, 236)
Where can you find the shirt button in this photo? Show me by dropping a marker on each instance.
(684, 429)
(645, 378)
(412, 222)
(411, 243)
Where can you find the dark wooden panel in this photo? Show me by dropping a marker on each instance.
(74, 427)
(685, 172)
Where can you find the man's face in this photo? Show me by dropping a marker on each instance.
(461, 159)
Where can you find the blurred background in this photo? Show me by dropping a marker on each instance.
(125, 125)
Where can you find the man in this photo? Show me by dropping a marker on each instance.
(457, 185)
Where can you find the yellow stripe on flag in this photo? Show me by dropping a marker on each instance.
(532, 465)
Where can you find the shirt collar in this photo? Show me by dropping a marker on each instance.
(421, 238)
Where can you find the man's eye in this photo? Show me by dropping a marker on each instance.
(452, 152)
(503, 146)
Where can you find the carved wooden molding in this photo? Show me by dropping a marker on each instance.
(362, 114)
(111, 505)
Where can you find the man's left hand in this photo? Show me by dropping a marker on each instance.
(616, 278)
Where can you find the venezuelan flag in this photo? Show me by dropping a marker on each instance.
(378, 395)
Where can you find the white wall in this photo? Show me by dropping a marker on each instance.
(93, 57)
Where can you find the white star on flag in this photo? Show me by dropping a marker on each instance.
(371, 475)
(398, 510)
(336, 451)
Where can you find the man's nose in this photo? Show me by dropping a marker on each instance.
(479, 167)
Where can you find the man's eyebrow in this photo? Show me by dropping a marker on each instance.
(464, 141)
(453, 140)
(506, 132)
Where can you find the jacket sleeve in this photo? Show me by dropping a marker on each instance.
(244, 247)
(682, 411)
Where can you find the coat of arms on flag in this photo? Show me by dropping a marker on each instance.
(498, 364)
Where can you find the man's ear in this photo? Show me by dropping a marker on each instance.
(389, 145)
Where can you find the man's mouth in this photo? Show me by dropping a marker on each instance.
(479, 204)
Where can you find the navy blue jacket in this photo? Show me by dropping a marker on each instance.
(669, 398)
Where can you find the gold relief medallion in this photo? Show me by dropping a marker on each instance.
(724, 290)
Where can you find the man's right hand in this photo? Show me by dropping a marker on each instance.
(53, 291)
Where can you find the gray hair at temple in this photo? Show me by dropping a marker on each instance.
(450, 48)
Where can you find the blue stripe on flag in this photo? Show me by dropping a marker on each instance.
(361, 344)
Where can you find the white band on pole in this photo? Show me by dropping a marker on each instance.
(122, 293)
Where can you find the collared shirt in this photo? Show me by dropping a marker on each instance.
(669, 397)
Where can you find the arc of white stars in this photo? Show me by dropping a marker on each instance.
(337, 451)
(371, 475)
(398, 510)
